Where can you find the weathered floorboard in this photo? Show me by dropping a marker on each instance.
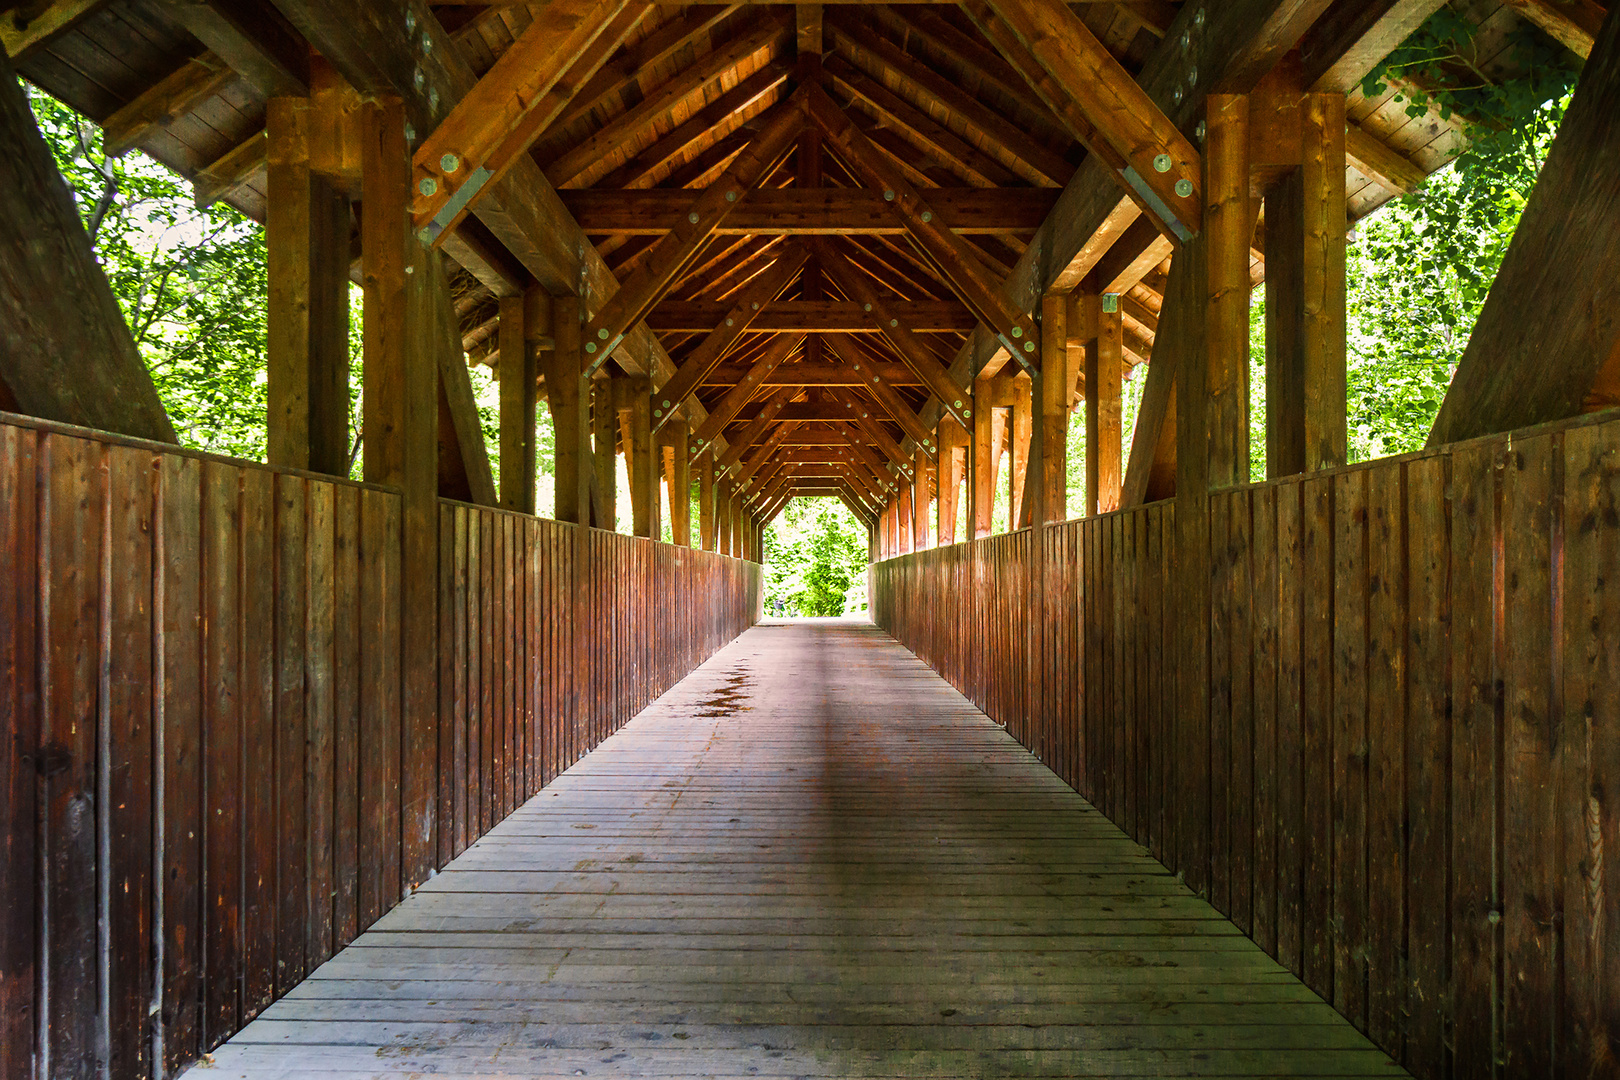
(811, 857)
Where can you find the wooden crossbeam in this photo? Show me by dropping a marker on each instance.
(507, 109)
(739, 445)
(813, 316)
(799, 210)
(646, 286)
(948, 252)
(705, 122)
(750, 301)
(803, 373)
(1574, 23)
(567, 168)
(878, 387)
(253, 38)
(750, 465)
(726, 409)
(1033, 160)
(887, 318)
(165, 101)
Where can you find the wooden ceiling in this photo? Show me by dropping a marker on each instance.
(676, 97)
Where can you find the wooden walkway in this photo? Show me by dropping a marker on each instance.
(812, 857)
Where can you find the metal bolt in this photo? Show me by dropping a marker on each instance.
(1162, 163)
(419, 79)
(967, 412)
(1175, 95)
(410, 21)
(1199, 131)
(1192, 76)
(450, 163)
(1186, 40)
(590, 346)
(888, 196)
(433, 99)
(692, 217)
(756, 305)
(425, 235)
(927, 215)
(731, 196)
(658, 412)
(958, 404)
(427, 43)
(1029, 346)
(728, 322)
(1018, 331)
(866, 307)
(666, 403)
(1184, 187)
(428, 186)
(602, 334)
(410, 133)
(1198, 17)
(894, 322)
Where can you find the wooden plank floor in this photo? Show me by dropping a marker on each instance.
(811, 858)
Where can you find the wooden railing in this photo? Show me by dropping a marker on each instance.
(203, 746)
(1381, 733)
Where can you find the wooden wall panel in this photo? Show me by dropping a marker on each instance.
(1413, 725)
(200, 688)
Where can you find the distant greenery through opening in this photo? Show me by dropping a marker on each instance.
(815, 559)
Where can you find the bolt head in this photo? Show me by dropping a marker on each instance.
(1162, 163)
(928, 215)
(428, 186)
(1017, 331)
(590, 346)
(1029, 346)
(602, 334)
(692, 217)
(888, 196)
(1184, 188)
(450, 163)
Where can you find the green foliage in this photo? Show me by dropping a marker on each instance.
(1419, 269)
(815, 558)
(191, 283)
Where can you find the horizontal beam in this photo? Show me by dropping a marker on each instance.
(808, 374)
(812, 316)
(810, 211)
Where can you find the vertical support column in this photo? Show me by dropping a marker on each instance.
(517, 375)
(985, 452)
(919, 501)
(1211, 444)
(1023, 432)
(680, 483)
(952, 447)
(722, 516)
(605, 456)
(706, 501)
(1306, 222)
(567, 396)
(644, 457)
(401, 448)
(1055, 380)
(306, 239)
(904, 533)
(1105, 370)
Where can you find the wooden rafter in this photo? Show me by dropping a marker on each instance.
(809, 211)
(758, 371)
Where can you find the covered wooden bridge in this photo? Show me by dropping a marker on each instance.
(1317, 775)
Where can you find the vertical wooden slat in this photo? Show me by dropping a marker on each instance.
(1533, 740)
(180, 558)
(1219, 749)
(1475, 733)
(20, 751)
(1291, 835)
(350, 671)
(1263, 673)
(449, 682)
(129, 709)
(290, 726)
(1349, 746)
(222, 740)
(1428, 762)
(320, 674)
(1590, 760)
(1240, 724)
(257, 793)
(1316, 735)
(378, 841)
(1386, 726)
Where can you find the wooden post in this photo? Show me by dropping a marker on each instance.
(722, 517)
(636, 402)
(920, 498)
(706, 532)
(1305, 299)
(66, 352)
(400, 282)
(906, 537)
(1023, 433)
(518, 385)
(566, 390)
(680, 483)
(1056, 379)
(1229, 228)
(306, 239)
(986, 440)
(1105, 364)
(952, 447)
(605, 455)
